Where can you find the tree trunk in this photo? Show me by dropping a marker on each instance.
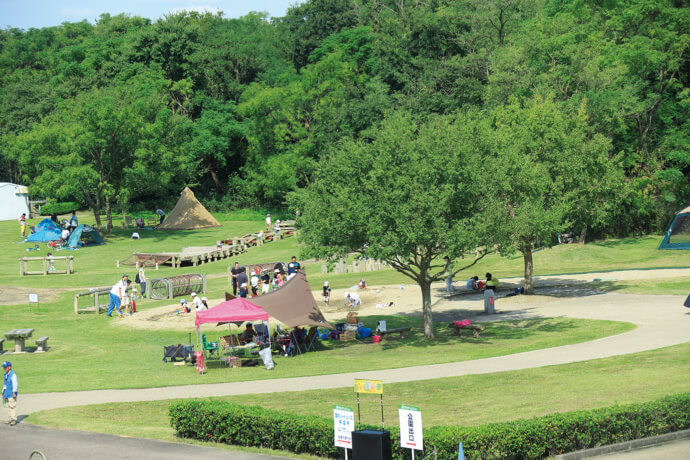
(96, 207)
(216, 182)
(425, 284)
(109, 215)
(583, 235)
(529, 269)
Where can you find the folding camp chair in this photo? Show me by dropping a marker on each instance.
(310, 341)
(211, 347)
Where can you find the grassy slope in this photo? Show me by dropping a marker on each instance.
(108, 356)
(468, 400)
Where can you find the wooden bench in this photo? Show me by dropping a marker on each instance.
(398, 330)
(475, 328)
(42, 343)
(2, 341)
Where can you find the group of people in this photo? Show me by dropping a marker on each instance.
(123, 296)
(260, 280)
(473, 284)
(352, 299)
(198, 304)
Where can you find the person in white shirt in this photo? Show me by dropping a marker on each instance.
(117, 293)
(352, 299)
(198, 304)
(277, 227)
(64, 236)
(268, 221)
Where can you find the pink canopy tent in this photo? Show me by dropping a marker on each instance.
(235, 310)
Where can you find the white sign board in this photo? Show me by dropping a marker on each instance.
(411, 436)
(343, 426)
(33, 298)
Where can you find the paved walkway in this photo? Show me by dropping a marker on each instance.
(661, 319)
(17, 443)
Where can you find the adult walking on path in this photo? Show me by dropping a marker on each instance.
(9, 392)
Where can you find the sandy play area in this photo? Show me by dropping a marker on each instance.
(407, 300)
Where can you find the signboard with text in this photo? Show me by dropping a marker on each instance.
(369, 386)
(411, 436)
(343, 426)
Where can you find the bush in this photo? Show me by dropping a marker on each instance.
(59, 208)
(539, 437)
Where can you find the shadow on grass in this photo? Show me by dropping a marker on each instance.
(498, 330)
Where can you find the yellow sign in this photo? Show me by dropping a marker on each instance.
(369, 386)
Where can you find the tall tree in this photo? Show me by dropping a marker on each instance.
(545, 170)
(407, 197)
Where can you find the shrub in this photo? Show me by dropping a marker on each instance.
(538, 437)
(59, 208)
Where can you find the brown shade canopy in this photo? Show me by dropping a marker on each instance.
(293, 304)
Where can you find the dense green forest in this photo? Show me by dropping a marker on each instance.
(127, 111)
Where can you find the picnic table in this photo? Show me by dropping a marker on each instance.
(19, 336)
(398, 330)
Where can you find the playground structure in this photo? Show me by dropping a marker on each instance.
(100, 298)
(175, 286)
(199, 255)
(47, 268)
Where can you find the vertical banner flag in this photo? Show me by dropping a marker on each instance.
(343, 426)
(411, 436)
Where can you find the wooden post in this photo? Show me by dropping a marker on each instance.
(156, 265)
(21, 266)
(76, 304)
(170, 290)
(117, 264)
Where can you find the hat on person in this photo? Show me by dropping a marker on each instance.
(267, 215)
(278, 220)
(193, 294)
(277, 270)
(125, 275)
(325, 283)
(347, 294)
(183, 301)
(6, 364)
(134, 289)
(249, 324)
(204, 299)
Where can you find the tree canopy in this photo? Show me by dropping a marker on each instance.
(251, 106)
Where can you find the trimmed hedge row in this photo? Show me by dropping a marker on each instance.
(59, 208)
(538, 437)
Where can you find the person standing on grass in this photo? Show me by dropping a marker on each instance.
(117, 293)
(293, 268)
(141, 279)
(243, 282)
(235, 272)
(448, 273)
(73, 221)
(265, 282)
(268, 221)
(9, 392)
(161, 214)
(22, 225)
(326, 293)
(254, 282)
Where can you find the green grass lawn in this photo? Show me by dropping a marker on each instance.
(106, 355)
(468, 400)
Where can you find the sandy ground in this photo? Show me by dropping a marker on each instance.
(407, 299)
(15, 295)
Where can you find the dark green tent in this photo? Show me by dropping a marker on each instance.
(86, 231)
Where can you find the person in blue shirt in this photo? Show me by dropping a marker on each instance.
(472, 283)
(293, 268)
(9, 392)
